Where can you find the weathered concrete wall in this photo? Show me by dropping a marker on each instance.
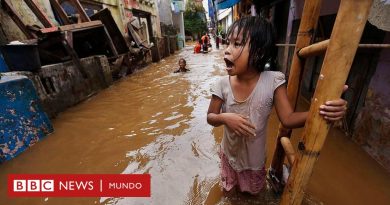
(160, 49)
(372, 128)
(60, 86)
(22, 119)
(65, 86)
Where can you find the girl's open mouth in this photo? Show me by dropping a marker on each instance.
(229, 64)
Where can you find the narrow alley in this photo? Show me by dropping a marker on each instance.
(154, 121)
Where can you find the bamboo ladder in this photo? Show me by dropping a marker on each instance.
(340, 51)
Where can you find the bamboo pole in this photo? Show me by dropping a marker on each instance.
(304, 53)
(320, 48)
(288, 149)
(367, 45)
(314, 49)
(346, 34)
(285, 45)
(310, 15)
(374, 45)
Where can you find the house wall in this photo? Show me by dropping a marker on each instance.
(165, 11)
(373, 122)
(122, 12)
(225, 17)
(327, 7)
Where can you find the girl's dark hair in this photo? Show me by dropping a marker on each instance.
(182, 59)
(261, 36)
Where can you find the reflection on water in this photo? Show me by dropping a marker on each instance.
(155, 122)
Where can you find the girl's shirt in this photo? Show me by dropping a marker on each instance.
(246, 153)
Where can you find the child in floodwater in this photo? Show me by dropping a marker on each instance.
(198, 46)
(182, 66)
(242, 102)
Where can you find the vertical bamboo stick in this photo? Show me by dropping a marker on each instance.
(84, 17)
(310, 15)
(346, 34)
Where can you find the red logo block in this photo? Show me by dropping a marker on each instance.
(79, 185)
(33, 185)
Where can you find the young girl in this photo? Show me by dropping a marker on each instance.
(242, 102)
(182, 66)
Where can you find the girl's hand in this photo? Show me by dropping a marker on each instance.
(334, 110)
(239, 125)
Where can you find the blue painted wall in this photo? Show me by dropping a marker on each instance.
(22, 119)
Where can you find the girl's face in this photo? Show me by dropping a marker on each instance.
(236, 54)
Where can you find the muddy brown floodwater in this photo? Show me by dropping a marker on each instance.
(154, 121)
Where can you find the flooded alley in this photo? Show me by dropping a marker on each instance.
(154, 121)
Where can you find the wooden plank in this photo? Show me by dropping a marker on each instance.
(68, 35)
(16, 18)
(73, 27)
(49, 30)
(310, 15)
(41, 15)
(60, 12)
(81, 26)
(344, 41)
(84, 17)
(110, 42)
(76, 61)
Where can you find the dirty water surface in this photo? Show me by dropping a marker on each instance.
(154, 121)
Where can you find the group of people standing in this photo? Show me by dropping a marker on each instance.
(202, 46)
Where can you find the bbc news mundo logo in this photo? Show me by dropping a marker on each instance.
(79, 185)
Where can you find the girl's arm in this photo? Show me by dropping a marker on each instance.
(285, 112)
(214, 117)
(237, 123)
(332, 110)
